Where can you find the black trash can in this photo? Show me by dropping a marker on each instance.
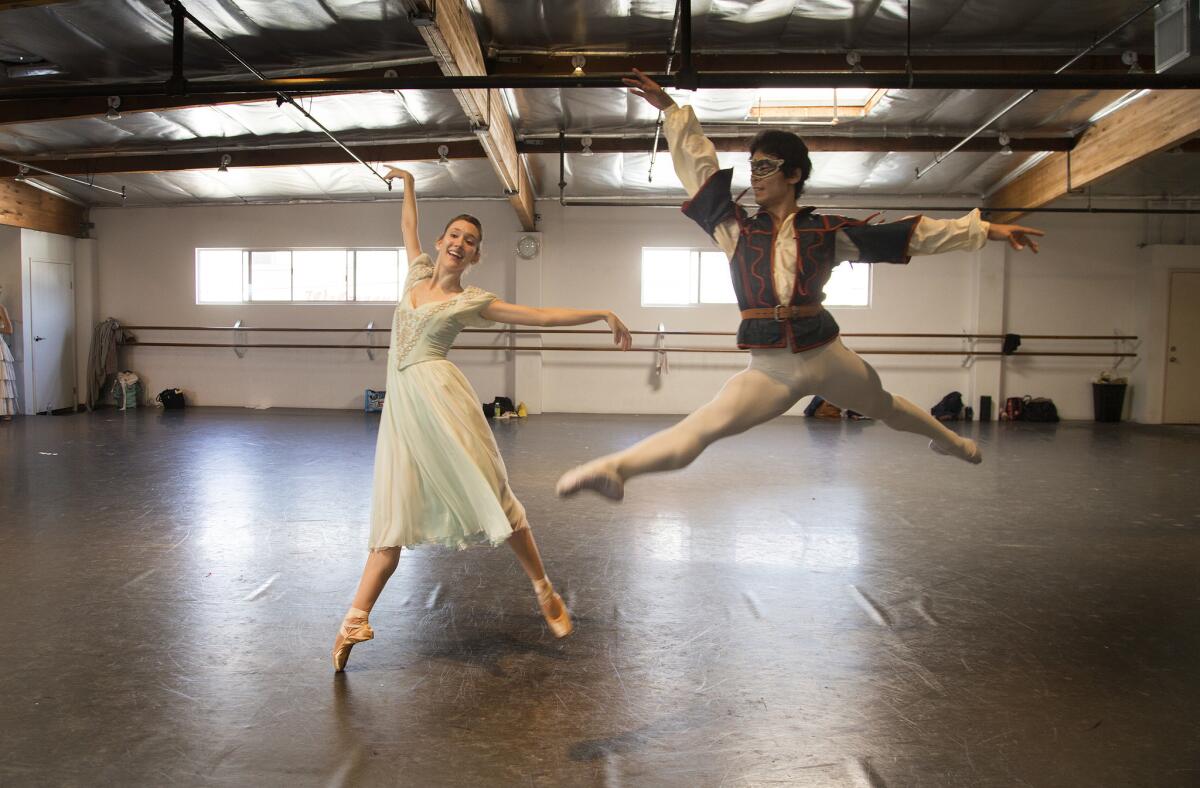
(1108, 400)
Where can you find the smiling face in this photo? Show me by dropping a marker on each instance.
(458, 248)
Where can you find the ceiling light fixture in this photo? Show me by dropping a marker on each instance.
(443, 158)
(587, 146)
(1130, 58)
(1005, 150)
(578, 61)
(114, 108)
(226, 160)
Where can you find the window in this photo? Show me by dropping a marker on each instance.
(849, 285)
(683, 277)
(313, 276)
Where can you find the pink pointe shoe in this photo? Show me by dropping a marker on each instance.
(560, 625)
(353, 630)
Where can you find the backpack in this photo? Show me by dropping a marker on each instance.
(822, 409)
(1038, 409)
(1012, 409)
(171, 399)
(949, 408)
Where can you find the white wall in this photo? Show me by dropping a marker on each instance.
(1153, 296)
(1082, 283)
(146, 276)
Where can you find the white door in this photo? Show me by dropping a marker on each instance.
(52, 313)
(1181, 402)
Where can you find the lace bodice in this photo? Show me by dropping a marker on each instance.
(426, 332)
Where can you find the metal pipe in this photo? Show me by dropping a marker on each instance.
(177, 8)
(659, 120)
(942, 157)
(81, 182)
(562, 167)
(616, 203)
(727, 80)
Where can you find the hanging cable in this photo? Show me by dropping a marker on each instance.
(24, 167)
(943, 156)
(282, 98)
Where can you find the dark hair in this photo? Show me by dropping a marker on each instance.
(787, 146)
(465, 217)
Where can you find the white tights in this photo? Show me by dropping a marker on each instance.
(774, 382)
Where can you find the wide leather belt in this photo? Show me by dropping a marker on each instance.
(782, 313)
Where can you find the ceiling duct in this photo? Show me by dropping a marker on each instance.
(1177, 37)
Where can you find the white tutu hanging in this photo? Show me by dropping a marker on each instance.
(8, 381)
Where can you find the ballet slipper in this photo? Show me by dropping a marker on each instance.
(560, 625)
(972, 454)
(354, 629)
(592, 476)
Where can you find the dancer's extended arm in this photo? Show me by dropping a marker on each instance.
(408, 215)
(518, 314)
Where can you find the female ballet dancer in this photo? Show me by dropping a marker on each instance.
(439, 477)
(794, 346)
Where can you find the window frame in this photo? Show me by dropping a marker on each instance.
(698, 272)
(351, 274)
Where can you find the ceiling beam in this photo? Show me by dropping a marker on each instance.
(22, 205)
(1157, 122)
(275, 155)
(559, 64)
(167, 161)
(37, 110)
(543, 64)
(12, 5)
(451, 38)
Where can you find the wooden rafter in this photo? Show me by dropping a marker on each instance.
(451, 38)
(21, 205)
(1159, 121)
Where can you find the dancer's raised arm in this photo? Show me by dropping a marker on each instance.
(408, 215)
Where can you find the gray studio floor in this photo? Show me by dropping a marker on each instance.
(810, 604)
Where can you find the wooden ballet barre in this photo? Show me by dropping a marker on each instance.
(1073, 337)
(587, 349)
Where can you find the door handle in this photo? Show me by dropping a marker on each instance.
(38, 339)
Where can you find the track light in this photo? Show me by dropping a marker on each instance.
(443, 158)
(226, 160)
(22, 171)
(854, 60)
(587, 146)
(578, 61)
(1130, 58)
(114, 108)
(1005, 150)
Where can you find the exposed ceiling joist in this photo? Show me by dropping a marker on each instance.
(36, 110)
(22, 205)
(1159, 121)
(451, 38)
(274, 155)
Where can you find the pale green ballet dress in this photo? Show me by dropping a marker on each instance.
(439, 477)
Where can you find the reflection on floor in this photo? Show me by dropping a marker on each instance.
(810, 604)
